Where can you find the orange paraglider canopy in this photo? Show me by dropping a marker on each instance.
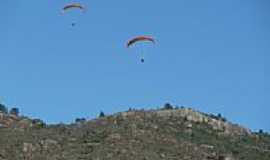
(139, 39)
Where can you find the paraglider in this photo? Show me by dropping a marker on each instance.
(72, 7)
(139, 39)
(135, 40)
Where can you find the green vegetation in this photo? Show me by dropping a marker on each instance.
(133, 135)
(168, 106)
(101, 114)
(3, 108)
(14, 111)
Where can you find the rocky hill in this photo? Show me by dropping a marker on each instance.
(164, 134)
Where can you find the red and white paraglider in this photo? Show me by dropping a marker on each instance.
(138, 39)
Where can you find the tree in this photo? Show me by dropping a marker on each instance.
(3, 108)
(224, 119)
(168, 106)
(80, 120)
(101, 114)
(39, 123)
(14, 111)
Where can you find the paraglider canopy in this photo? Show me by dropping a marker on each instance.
(73, 6)
(140, 39)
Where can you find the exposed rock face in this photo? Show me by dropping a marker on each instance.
(7, 120)
(197, 117)
(180, 134)
(16, 122)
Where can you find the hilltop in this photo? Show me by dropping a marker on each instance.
(163, 134)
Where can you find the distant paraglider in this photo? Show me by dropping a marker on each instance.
(73, 6)
(140, 39)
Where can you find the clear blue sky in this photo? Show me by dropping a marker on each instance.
(210, 55)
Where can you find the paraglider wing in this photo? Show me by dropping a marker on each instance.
(139, 39)
(73, 6)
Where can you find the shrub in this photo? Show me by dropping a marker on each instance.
(39, 123)
(80, 120)
(168, 106)
(101, 114)
(3, 108)
(224, 119)
(14, 111)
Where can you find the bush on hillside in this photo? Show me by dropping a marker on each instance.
(14, 111)
(39, 123)
(3, 108)
(168, 106)
(80, 120)
(101, 114)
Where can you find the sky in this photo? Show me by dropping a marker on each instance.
(209, 55)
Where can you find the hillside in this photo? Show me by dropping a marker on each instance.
(164, 134)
